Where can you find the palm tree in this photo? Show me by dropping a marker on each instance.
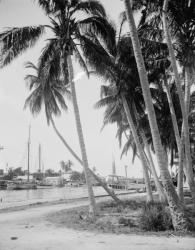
(177, 20)
(51, 97)
(107, 64)
(115, 113)
(175, 206)
(104, 63)
(183, 103)
(68, 36)
(66, 166)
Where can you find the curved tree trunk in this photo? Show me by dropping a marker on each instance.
(189, 170)
(140, 150)
(104, 185)
(180, 221)
(92, 205)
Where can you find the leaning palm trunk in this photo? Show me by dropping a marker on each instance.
(140, 149)
(189, 170)
(92, 205)
(104, 185)
(179, 142)
(179, 219)
(158, 185)
(173, 115)
(180, 176)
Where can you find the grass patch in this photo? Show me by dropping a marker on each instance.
(155, 217)
(134, 217)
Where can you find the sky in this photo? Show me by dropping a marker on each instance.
(102, 146)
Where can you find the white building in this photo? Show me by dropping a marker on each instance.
(54, 180)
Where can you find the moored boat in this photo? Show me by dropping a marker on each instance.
(3, 184)
(19, 185)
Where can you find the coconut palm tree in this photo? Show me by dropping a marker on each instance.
(179, 218)
(66, 166)
(106, 63)
(177, 20)
(68, 28)
(51, 97)
(184, 103)
(114, 103)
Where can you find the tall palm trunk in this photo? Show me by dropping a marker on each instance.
(180, 222)
(140, 149)
(92, 205)
(189, 170)
(104, 185)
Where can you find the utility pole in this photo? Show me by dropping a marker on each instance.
(28, 163)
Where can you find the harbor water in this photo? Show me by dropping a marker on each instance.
(11, 198)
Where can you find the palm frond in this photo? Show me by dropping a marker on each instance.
(31, 81)
(90, 7)
(15, 41)
(52, 6)
(81, 60)
(100, 27)
(34, 101)
(105, 101)
(60, 98)
(96, 56)
(30, 65)
(130, 144)
(49, 62)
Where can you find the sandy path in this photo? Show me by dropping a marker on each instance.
(33, 232)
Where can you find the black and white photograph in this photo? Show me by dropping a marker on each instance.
(97, 124)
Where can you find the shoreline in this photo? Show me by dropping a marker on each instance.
(36, 204)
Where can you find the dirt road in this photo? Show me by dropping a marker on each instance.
(29, 230)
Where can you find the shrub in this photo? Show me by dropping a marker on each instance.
(155, 217)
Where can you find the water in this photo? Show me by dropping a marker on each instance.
(11, 198)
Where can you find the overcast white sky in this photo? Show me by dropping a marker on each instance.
(14, 121)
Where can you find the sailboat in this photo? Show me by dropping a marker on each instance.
(23, 184)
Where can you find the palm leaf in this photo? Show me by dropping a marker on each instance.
(52, 6)
(80, 60)
(34, 101)
(15, 41)
(105, 101)
(90, 7)
(101, 28)
(49, 62)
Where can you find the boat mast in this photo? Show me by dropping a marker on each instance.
(113, 166)
(39, 158)
(28, 172)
